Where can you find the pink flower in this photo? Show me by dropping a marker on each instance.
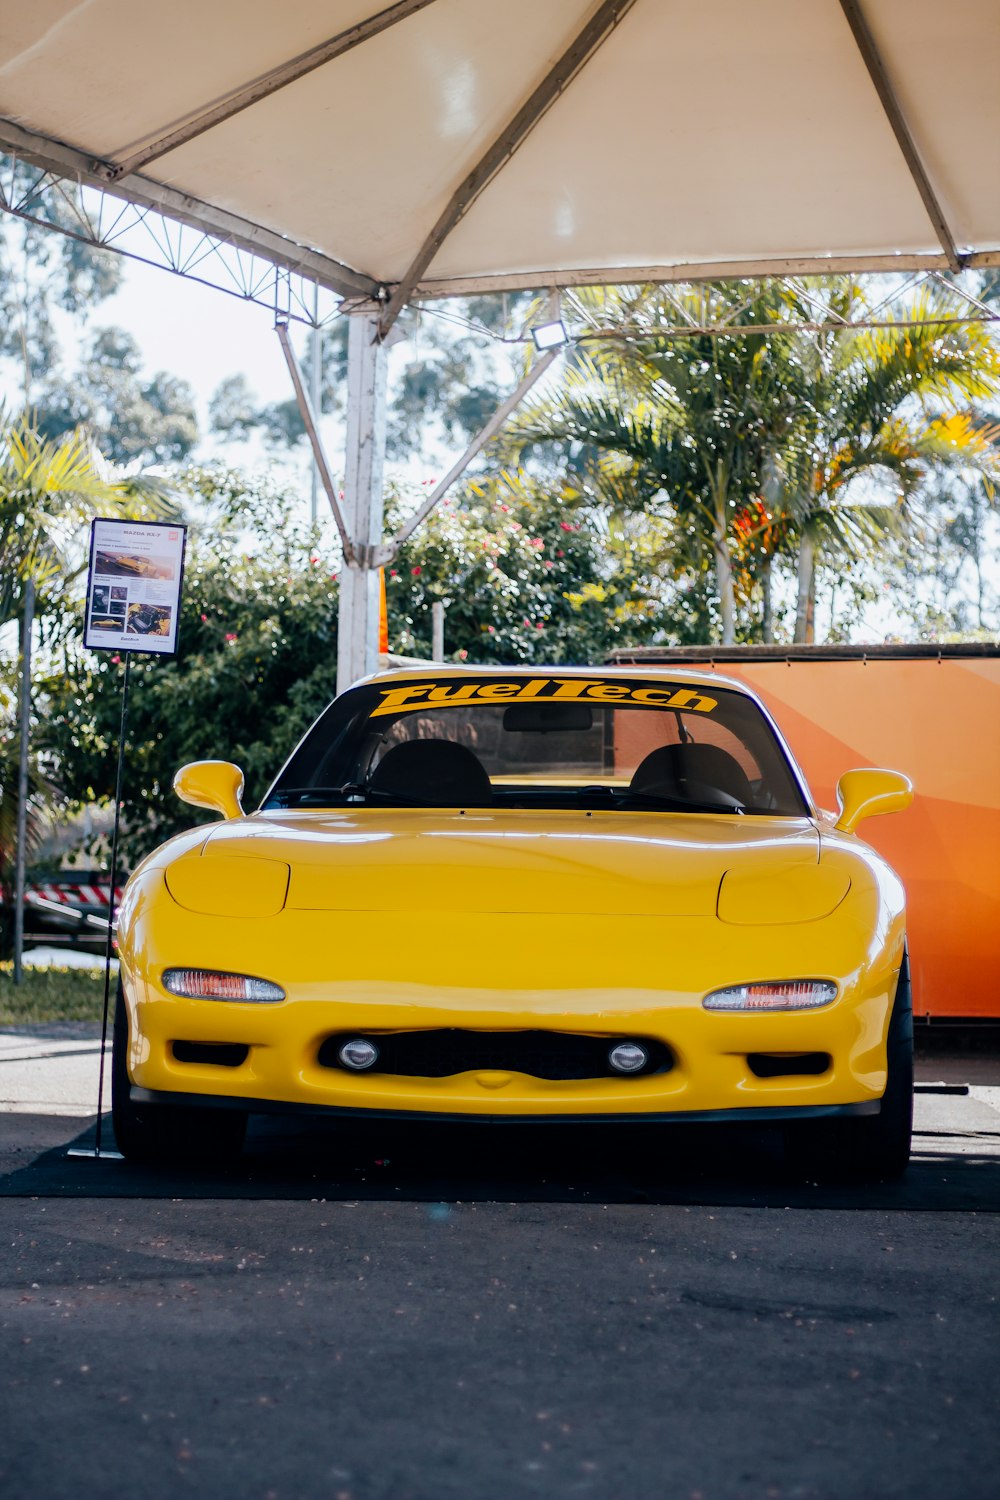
(560, 553)
(492, 630)
(549, 564)
(536, 541)
(527, 624)
(231, 635)
(416, 571)
(314, 559)
(393, 573)
(539, 626)
(463, 656)
(204, 619)
(565, 526)
(116, 660)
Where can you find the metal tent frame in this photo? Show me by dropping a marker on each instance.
(108, 198)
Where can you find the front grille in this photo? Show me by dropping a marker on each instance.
(542, 1054)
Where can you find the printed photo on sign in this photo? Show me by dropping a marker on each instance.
(149, 619)
(132, 565)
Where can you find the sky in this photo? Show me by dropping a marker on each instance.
(204, 336)
(201, 334)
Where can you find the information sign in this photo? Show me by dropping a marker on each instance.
(134, 586)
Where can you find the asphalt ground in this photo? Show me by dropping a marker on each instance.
(494, 1313)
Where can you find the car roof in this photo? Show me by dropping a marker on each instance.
(436, 671)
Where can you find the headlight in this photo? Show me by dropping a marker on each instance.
(216, 885)
(763, 893)
(206, 984)
(773, 994)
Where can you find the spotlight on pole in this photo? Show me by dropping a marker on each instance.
(550, 335)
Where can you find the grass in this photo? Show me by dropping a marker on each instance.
(51, 995)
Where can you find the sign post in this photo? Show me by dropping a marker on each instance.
(133, 606)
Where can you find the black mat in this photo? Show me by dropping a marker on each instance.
(724, 1166)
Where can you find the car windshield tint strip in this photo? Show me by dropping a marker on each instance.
(416, 697)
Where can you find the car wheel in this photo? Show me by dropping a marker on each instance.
(164, 1134)
(872, 1147)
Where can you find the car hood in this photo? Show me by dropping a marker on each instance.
(474, 862)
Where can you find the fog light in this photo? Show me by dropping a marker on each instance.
(358, 1054)
(628, 1057)
(776, 994)
(207, 984)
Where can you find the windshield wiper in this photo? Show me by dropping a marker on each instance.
(659, 800)
(292, 796)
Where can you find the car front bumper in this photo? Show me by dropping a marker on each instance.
(616, 977)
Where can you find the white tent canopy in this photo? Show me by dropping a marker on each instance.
(439, 147)
(442, 146)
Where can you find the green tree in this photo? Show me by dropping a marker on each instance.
(755, 448)
(449, 380)
(48, 491)
(523, 576)
(879, 413)
(256, 662)
(130, 418)
(678, 429)
(42, 274)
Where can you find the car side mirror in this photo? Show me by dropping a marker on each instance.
(216, 784)
(866, 793)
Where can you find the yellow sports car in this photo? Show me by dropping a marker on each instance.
(521, 895)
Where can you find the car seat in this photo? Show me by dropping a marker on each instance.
(690, 772)
(437, 773)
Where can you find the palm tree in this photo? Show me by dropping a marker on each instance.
(677, 427)
(754, 444)
(49, 489)
(877, 408)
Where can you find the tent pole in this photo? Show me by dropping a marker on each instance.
(357, 635)
(20, 855)
(316, 392)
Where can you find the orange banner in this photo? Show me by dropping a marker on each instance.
(938, 720)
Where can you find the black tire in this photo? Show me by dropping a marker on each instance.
(870, 1147)
(167, 1134)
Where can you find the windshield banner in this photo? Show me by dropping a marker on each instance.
(412, 696)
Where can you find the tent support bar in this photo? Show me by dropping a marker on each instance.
(690, 273)
(876, 70)
(388, 552)
(596, 31)
(76, 166)
(261, 88)
(312, 430)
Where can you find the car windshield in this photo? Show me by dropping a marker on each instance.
(600, 743)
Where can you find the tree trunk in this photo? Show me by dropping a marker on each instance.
(724, 582)
(766, 602)
(805, 608)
